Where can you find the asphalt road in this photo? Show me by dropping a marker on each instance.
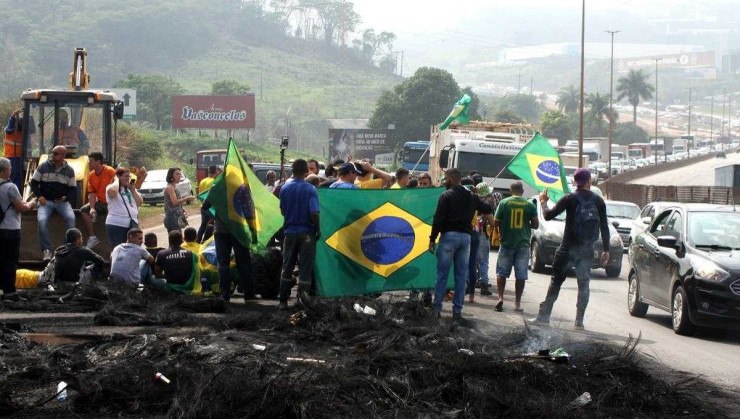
(710, 354)
(698, 174)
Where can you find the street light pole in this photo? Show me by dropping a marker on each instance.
(657, 60)
(711, 119)
(611, 102)
(580, 113)
(688, 154)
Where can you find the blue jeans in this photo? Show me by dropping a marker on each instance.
(148, 278)
(454, 246)
(224, 244)
(473, 263)
(300, 248)
(44, 212)
(484, 251)
(116, 235)
(10, 245)
(580, 256)
(517, 258)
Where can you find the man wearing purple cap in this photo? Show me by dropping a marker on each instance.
(585, 219)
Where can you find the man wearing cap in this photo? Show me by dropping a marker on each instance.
(574, 250)
(347, 176)
(515, 217)
(452, 217)
(205, 215)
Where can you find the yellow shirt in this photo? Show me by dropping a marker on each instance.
(370, 184)
(396, 186)
(205, 184)
(192, 246)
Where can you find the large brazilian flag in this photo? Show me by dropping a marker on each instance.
(237, 194)
(375, 240)
(539, 165)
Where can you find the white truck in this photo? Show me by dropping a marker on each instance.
(619, 152)
(483, 147)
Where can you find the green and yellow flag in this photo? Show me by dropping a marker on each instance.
(375, 240)
(539, 165)
(459, 113)
(237, 194)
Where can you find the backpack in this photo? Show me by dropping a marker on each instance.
(586, 220)
(4, 210)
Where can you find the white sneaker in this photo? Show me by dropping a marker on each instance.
(92, 241)
(47, 255)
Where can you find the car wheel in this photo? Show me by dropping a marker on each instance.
(613, 271)
(680, 312)
(635, 307)
(535, 261)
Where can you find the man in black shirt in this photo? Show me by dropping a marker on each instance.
(72, 257)
(174, 263)
(453, 220)
(577, 247)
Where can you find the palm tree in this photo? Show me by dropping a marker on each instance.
(634, 86)
(568, 99)
(598, 108)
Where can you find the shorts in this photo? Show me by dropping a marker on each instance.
(100, 208)
(518, 258)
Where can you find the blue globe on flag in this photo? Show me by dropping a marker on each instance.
(387, 240)
(548, 171)
(243, 204)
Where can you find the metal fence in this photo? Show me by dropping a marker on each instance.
(644, 194)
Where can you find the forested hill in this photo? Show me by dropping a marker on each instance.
(311, 67)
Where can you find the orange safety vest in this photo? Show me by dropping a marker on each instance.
(13, 144)
(69, 136)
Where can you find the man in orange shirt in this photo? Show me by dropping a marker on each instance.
(13, 147)
(99, 177)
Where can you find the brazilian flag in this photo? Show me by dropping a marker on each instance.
(237, 195)
(459, 113)
(375, 240)
(539, 165)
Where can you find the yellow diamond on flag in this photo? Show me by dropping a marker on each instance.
(383, 240)
(545, 171)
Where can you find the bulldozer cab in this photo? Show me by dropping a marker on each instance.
(80, 120)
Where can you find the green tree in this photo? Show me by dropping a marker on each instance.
(627, 133)
(568, 99)
(372, 45)
(337, 18)
(635, 87)
(229, 87)
(422, 100)
(556, 124)
(525, 107)
(507, 115)
(154, 97)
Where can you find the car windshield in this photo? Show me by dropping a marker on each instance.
(714, 230)
(156, 176)
(628, 211)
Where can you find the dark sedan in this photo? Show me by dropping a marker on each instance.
(688, 263)
(549, 235)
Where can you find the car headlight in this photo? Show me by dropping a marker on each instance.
(708, 270)
(615, 241)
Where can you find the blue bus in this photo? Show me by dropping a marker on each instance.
(415, 152)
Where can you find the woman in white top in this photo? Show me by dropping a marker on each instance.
(123, 207)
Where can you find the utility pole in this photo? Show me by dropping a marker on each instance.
(519, 85)
(580, 121)
(611, 102)
(657, 60)
(729, 119)
(401, 64)
(711, 119)
(688, 154)
(724, 104)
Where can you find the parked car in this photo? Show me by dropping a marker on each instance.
(621, 215)
(152, 190)
(546, 239)
(646, 217)
(261, 169)
(686, 263)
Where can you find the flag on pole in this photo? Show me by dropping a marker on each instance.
(238, 195)
(539, 165)
(459, 113)
(375, 240)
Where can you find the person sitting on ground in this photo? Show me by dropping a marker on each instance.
(403, 176)
(71, 258)
(365, 178)
(191, 242)
(179, 267)
(347, 176)
(151, 245)
(130, 263)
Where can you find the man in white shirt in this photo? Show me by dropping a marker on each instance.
(130, 262)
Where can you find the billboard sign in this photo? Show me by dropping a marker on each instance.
(372, 144)
(213, 112)
(700, 59)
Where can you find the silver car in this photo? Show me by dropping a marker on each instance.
(152, 190)
(621, 215)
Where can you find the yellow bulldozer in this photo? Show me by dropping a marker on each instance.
(47, 115)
